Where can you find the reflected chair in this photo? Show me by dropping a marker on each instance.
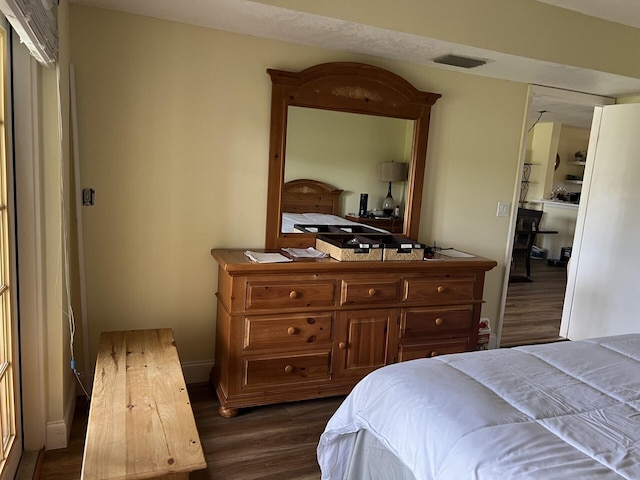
(527, 225)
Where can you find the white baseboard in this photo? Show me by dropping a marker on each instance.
(197, 372)
(57, 434)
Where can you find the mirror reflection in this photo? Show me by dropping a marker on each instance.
(364, 91)
(346, 150)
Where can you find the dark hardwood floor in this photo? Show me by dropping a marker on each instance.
(533, 310)
(273, 442)
(279, 441)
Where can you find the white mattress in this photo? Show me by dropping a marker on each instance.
(563, 410)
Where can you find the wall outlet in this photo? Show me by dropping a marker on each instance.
(88, 197)
(503, 209)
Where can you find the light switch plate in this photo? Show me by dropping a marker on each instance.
(503, 209)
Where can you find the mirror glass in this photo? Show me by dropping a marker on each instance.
(344, 150)
(367, 99)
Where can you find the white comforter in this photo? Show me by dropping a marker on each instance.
(568, 410)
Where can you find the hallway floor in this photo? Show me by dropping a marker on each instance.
(534, 309)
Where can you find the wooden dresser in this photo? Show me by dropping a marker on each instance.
(313, 328)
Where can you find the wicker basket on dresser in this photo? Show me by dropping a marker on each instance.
(309, 329)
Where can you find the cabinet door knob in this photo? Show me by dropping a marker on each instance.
(342, 345)
(439, 321)
(291, 330)
(288, 369)
(440, 289)
(434, 353)
(293, 294)
(372, 292)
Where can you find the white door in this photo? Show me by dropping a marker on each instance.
(602, 286)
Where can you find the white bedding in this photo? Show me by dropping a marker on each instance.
(290, 219)
(567, 410)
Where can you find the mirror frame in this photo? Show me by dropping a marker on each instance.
(344, 87)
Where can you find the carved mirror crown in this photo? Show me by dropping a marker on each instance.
(344, 87)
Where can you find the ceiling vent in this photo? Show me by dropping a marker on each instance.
(459, 61)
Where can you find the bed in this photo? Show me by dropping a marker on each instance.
(561, 410)
(310, 202)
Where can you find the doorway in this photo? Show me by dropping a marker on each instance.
(531, 311)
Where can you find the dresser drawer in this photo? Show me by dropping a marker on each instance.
(438, 290)
(427, 322)
(430, 350)
(271, 295)
(296, 331)
(278, 370)
(362, 291)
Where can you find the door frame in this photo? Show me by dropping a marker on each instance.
(30, 237)
(555, 95)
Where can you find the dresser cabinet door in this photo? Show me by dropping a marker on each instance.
(365, 340)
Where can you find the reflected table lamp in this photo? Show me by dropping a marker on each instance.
(391, 172)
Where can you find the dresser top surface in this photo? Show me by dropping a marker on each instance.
(235, 262)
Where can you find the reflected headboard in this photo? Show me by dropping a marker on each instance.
(306, 196)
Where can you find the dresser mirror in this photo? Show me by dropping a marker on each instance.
(315, 94)
(344, 150)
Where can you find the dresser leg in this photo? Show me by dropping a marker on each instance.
(227, 412)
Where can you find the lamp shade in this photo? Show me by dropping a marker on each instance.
(392, 171)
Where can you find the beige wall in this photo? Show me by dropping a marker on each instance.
(542, 155)
(572, 139)
(344, 150)
(631, 99)
(174, 128)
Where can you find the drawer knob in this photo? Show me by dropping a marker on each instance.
(342, 345)
(291, 330)
(434, 353)
(372, 292)
(440, 289)
(439, 321)
(293, 294)
(288, 369)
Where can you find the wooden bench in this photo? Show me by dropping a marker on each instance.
(140, 421)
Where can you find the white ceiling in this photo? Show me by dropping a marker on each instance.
(266, 21)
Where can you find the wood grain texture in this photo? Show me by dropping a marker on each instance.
(140, 422)
(533, 310)
(273, 442)
(344, 87)
(276, 442)
(306, 196)
(360, 304)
